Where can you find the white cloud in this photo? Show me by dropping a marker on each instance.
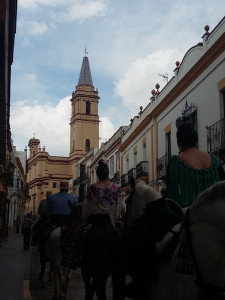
(67, 10)
(32, 27)
(107, 129)
(36, 4)
(31, 77)
(49, 124)
(81, 11)
(141, 77)
(36, 28)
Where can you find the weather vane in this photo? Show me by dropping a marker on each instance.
(165, 76)
(85, 50)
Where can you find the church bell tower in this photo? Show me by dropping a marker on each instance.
(84, 122)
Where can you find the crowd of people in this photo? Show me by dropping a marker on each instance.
(188, 174)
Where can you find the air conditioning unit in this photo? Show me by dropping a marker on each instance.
(1, 169)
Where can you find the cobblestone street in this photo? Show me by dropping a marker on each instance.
(76, 288)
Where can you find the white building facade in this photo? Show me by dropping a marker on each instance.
(197, 90)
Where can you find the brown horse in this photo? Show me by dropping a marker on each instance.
(103, 252)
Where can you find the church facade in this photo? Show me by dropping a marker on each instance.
(44, 172)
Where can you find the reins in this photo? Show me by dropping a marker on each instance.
(199, 281)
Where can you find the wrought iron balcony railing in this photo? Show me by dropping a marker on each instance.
(76, 181)
(116, 176)
(124, 180)
(18, 183)
(142, 169)
(216, 136)
(162, 164)
(83, 177)
(132, 172)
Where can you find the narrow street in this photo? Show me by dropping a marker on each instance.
(19, 274)
(76, 288)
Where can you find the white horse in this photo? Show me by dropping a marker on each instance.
(61, 275)
(202, 236)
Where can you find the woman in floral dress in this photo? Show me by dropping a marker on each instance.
(103, 197)
(103, 250)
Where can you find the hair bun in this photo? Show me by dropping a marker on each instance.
(182, 120)
(101, 162)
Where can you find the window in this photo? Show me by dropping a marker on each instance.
(144, 153)
(135, 159)
(168, 143)
(127, 164)
(88, 108)
(111, 167)
(54, 185)
(87, 145)
(223, 94)
(117, 163)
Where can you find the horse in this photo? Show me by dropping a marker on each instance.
(188, 257)
(58, 247)
(102, 258)
(38, 239)
(61, 275)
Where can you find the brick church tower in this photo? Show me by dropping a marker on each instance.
(84, 122)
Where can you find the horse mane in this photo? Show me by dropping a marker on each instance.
(210, 206)
(211, 195)
(144, 190)
(143, 194)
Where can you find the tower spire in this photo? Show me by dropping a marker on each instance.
(85, 77)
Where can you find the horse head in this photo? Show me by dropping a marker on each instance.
(140, 195)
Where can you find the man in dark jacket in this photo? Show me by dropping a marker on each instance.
(58, 210)
(26, 230)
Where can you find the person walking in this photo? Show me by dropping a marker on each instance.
(27, 230)
(193, 170)
(18, 222)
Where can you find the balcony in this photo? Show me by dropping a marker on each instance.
(216, 137)
(76, 181)
(142, 169)
(83, 177)
(161, 165)
(124, 180)
(18, 183)
(132, 173)
(116, 177)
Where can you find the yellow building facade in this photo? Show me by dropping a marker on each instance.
(45, 171)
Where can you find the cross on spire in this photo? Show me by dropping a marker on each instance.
(85, 50)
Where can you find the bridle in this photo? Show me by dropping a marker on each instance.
(213, 289)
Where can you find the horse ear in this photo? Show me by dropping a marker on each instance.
(132, 182)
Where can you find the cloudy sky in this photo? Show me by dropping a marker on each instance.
(129, 43)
